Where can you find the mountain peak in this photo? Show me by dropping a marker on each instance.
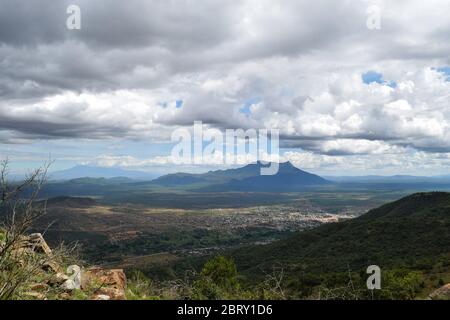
(286, 164)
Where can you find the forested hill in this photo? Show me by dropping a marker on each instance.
(413, 232)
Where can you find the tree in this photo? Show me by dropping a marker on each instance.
(217, 280)
(18, 210)
(400, 284)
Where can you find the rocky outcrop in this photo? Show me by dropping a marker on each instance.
(94, 283)
(36, 243)
(443, 293)
(106, 283)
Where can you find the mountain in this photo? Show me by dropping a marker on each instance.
(247, 178)
(413, 232)
(99, 172)
(288, 178)
(215, 177)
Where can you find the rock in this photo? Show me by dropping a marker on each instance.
(33, 243)
(58, 279)
(112, 293)
(52, 266)
(69, 285)
(443, 293)
(39, 287)
(111, 283)
(74, 281)
(36, 243)
(96, 283)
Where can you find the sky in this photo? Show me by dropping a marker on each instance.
(348, 98)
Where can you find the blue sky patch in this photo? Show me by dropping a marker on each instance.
(446, 71)
(246, 108)
(373, 76)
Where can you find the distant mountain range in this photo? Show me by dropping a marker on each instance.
(390, 179)
(99, 172)
(227, 175)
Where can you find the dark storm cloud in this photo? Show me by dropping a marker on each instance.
(166, 37)
(116, 23)
(116, 37)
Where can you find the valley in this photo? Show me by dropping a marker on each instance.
(114, 233)
(121, 222)
(177, 225)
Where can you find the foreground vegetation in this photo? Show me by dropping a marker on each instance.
(219, 279)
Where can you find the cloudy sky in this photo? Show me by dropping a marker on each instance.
(347, 99)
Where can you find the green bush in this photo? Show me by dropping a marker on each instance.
(400, 284)
(217, 280)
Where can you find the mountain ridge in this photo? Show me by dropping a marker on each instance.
(85, 171)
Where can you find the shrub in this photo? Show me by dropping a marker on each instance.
(400, 284)
(217, 280)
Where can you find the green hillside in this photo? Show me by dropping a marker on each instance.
(412, 233)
